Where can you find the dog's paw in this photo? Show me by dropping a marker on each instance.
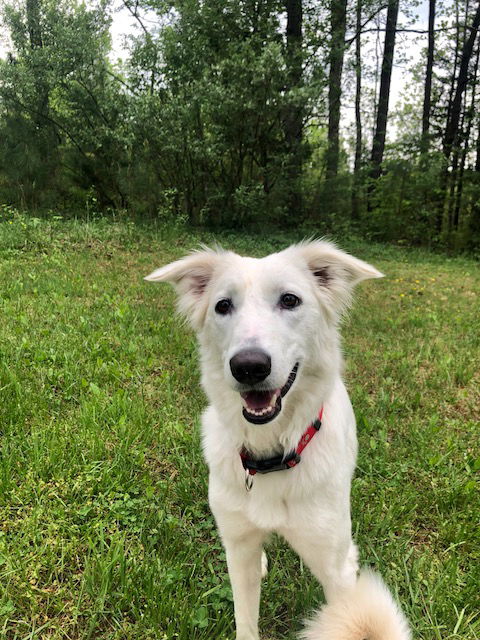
(264, 564)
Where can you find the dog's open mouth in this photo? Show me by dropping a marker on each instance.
(259, 407)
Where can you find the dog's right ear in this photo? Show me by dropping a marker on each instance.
(190, 276)
(335, 271)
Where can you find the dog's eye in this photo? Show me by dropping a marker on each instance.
(224, 306)
(289, 301)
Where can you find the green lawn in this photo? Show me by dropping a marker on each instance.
(104, 524)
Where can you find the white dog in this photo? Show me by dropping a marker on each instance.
(279, 434)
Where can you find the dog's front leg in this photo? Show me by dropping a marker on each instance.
(244, 558)
(243, 545)
(330, 555)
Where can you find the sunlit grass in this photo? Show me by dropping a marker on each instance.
(104, 524)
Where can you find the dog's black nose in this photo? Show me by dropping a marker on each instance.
(250, 366)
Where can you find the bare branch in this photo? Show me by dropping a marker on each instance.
(369, 19)
(421, 31)
(121, 81)
(134, 13)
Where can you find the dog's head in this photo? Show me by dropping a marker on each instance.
(263, 323)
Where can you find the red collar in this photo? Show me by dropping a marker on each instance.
(280, 462)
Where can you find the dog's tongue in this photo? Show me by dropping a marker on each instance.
(260, 399)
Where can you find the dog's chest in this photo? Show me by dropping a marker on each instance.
(269, 503)
(278, 500)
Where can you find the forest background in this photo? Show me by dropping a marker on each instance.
(228, 112)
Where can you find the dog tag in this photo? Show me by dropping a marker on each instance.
(248, 480)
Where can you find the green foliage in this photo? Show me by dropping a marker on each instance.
(62, 112)
(405, 200)
(197, 111)
(199, 124)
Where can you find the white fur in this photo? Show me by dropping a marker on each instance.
(310, 504)
(366, 611)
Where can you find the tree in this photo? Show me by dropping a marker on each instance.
(464, 151)
(451, 129)
(427, 100)
(294, 112)
(219, 114)
(61, 104)
(378, 145)
(338, 16)
(452, 181)
(358, 116)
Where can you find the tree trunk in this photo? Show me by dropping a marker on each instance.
(477, 149)
(466, 146)
(34, 27)
(427, 100)
(338, 18)
(450, 138)
(454, 119)
(376, 74)
(378, 146)
(452, 184)
(455, 62)
(358, 116)
(33, 23)
(293, 121)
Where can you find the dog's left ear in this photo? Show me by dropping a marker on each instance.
(335, 271)
(190, 277)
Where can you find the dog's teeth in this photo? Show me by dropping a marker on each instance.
(273, 401)
(260, 412)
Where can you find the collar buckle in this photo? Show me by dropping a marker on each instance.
(248, 480)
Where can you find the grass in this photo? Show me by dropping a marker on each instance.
(105, 530)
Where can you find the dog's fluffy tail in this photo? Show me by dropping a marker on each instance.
(365, 612)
